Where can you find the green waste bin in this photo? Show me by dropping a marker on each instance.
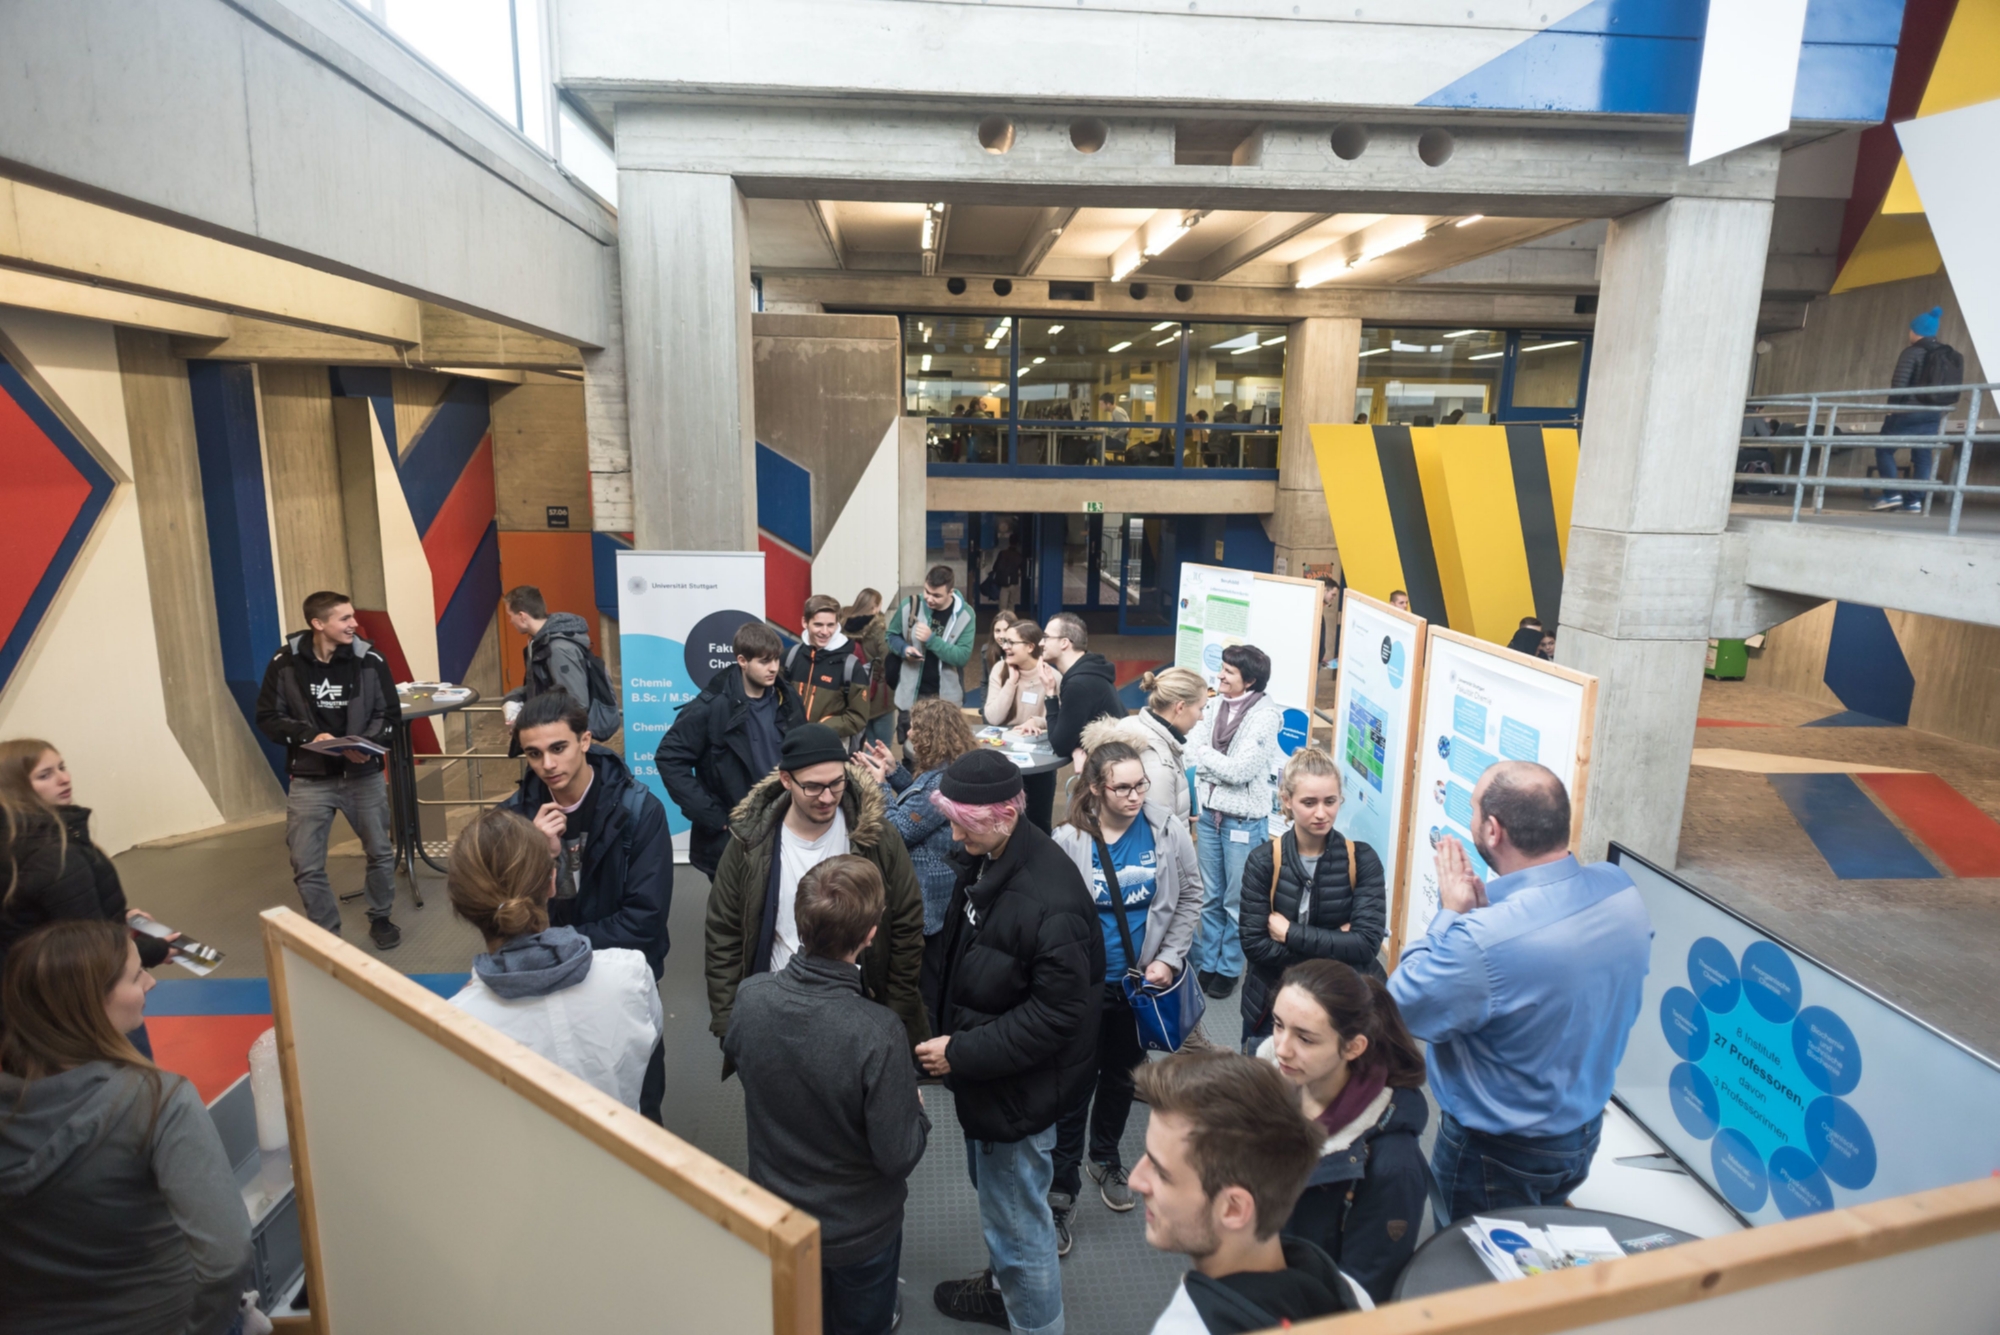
(1728, 660)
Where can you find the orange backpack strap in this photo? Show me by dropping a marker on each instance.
(1277, 847)
(1353, 873)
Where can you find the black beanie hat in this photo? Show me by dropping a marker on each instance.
(982, 777)
(810, 744)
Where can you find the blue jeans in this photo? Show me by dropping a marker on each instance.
(860, 1299)
(1907, 424)
(881, 730)
(1221, 845)
(309, 808)
(1013, 1182)
(1478, 1173)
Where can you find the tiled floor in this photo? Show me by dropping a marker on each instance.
(1931, 946)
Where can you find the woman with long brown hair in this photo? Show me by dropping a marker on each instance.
(119, 1214)
(1337, 1036)
(865, 624)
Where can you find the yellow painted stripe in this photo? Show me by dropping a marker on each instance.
(1765, 762)
(1486, 526)
(1350, 474)
(1428, 445)
(1559, 445)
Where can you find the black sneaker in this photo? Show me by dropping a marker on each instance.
(972, 1299)
(1110, 1179)
(1219, 985)
(385, 934)
(1063, 1206)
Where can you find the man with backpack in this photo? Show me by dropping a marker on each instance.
(829, 671)
(1924, 362)
(558, 657)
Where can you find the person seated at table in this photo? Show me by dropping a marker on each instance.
(119, 1213)
(614, 859)
(595, 1013)
(1337, 1037)
(1018, 689)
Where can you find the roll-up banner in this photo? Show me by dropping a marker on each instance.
(1374, 714)
(1483, 704)
(677, 619)
(1782, 1085)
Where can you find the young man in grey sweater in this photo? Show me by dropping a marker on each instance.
(830, 1095)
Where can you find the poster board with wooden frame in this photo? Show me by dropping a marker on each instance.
(1366, 689)
(1928, 1261)
(1274, 620)
(435, 1157)
(1469, 685)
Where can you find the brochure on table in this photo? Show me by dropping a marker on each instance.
(677, 618)
(1374, 718)
(1220, 607)
(1783, 1086)
(1483, 704)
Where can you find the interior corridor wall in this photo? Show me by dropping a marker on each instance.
(90, 681)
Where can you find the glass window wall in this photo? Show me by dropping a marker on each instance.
(1548, 371)
(955, 372)
(1429, 377)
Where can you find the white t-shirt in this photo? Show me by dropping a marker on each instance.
(796, 857)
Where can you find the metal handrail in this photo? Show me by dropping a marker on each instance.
(446, 761)
(1823, 434)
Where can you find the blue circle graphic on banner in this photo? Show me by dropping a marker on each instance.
(1840, 1143)
(1712, 971)
(1398, 664)
(1739, 1171)
(711, 645)
(1797, 1185)
(1826, 1050)
(1694, 1101)
(1685, 1023)
(1771, 981)
(1211, 657)
(1292, 732)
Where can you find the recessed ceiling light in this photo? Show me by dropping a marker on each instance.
(1119, 347)
(1055, 329)
(1461, 333)
(1544, 347)
(1040, 360)
(1374, 352)
(1485, 356)
(1164, 324)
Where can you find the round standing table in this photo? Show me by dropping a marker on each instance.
(1447, 1261)
(405, 816)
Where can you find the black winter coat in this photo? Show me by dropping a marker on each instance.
(1089, 692)
(287, 717)
(626, 886)
(57, 875)
(704, 760)
(1020, 989)
(1365, 1200)
(1337, 898)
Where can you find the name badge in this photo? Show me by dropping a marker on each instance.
(1029, 697)
(1239, 836)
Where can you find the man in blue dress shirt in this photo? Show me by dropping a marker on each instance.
(1526, 989)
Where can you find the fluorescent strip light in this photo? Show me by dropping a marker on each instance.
(1461, 333)
(925, 365)
(1485, 356)
(1238, 352)
(1024, 370)
(1164, 324)
(1544, 347)
(1374, 352)
(1006, 323)
(1274, 342)
(1131, 264)
(1467, 222)
(1039, 360)
(1055, 329)
(1168, 339)
(1119, 347)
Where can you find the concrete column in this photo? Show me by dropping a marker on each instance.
(609, 442)
(684, 254)
(1676, 319)
(1321, 363)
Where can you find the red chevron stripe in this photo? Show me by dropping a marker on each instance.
(460, 525)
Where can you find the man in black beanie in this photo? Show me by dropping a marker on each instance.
(1017, 1024)
(816, 806)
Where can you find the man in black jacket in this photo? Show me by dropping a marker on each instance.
(1216, 1114)
(726, 740)
(1923, 343)
(328, 683)
(614, 856)
(1017, 1032)
(1089, 689)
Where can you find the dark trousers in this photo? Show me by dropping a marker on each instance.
(653, 1089)
(860, 1299)
(930, 979)
(1040, 790)
(1109, 1103)
(1478, 1173)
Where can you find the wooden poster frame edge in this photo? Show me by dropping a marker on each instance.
(1585, 735)
(1417, 668)
(788, 1236)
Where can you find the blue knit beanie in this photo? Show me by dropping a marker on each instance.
(1926, 325)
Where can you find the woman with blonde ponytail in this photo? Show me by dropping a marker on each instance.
(595, 1013)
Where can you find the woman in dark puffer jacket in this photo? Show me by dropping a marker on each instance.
(1326, 900)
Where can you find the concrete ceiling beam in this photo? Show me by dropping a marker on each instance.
(1266, 234)
(39, 292)
(450, 341)
(1043, 233)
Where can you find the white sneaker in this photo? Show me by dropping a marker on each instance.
(1888, 503)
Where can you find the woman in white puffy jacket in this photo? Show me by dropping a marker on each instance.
(1234, 750)
(595, 1013)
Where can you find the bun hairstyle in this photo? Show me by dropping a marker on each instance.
(1308, 762)
(1087, 801)
(1355, 1004)
(1173, 686)
(500, 875)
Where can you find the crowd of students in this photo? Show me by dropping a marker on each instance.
(885, 909)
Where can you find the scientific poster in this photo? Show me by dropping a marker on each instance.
(677, 618)
(1782, 1085)
(1483, 704)
(1214, 614)
(1374, 715)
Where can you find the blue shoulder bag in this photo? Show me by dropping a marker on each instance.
(1165, 1015)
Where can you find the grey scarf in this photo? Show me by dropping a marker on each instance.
(1229, 716)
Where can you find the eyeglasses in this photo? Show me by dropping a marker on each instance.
(819, 790)
(1125, 790)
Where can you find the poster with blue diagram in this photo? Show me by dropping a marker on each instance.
(1375, 696)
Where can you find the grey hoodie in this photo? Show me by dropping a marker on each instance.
(105, 1231)
(536, 964)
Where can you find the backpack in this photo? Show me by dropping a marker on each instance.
(605, 715)
(1942, 365)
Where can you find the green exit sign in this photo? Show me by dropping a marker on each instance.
(1093, 507)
